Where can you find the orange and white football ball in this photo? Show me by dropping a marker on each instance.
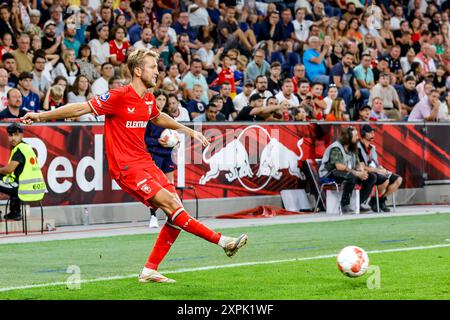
(353, 261)
(170, 137)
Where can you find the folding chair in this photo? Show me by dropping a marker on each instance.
(24, 216)
(321, 184)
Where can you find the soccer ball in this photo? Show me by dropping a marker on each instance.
(170, 137)
(353, 261)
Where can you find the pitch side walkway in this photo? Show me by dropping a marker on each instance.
(107, 230)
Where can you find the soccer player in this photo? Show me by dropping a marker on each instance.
(127, 111)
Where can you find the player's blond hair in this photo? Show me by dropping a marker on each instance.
(136, 58)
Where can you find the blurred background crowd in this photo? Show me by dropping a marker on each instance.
(234, 60)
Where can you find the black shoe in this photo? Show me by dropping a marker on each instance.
(13, 216)
(373, 204)
(383, 205)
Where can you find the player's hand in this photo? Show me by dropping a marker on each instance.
(30, 117)
(200, 137)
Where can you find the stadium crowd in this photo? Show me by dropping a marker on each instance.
(234, 60)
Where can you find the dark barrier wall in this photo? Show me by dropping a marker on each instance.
(242, 160)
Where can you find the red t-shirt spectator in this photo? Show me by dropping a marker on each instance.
(119, 52)
(225, 75)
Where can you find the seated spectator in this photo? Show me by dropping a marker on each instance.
(301, 26)
(14, 109)
(408, 94)
(176, 110)
(144, 42)
(364, 113)
(444, 110)
(207, 54)
(173, 78)
(363, 73)
(195, 106)
(7, 44)
(393, 59)
(271, 31)
(81, 92)
(300, 114)
(407, 61)
(118, 46)
(440, 78)
(30, 99)
(219, 101)
(54, 98)
(425, 59)
(10, 65)
(261, 87)
(183, 48)
(67, 68)
(314, 60)
(377, 113)
(4, 88)
(135, 31)
(343, 77)
(100, 47)
(224, 75)
(86, 64)
(318, 106)
(22, 54)
(274, 82)
(61, 81)
(338, 111)
(427, 109)
(332, 94)
(239, 71)
(287, 94)
(161, 41)
(303, 90)
(231, 35)
(70, 42)
(299, 74)
(183, 26)
(258, 66)
(209, 115)
(193, 77)
(255, 111)
(340, 163)
(242, 99)
(100, 85)
(228, 109)
(391, 101)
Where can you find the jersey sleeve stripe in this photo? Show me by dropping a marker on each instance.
(92, 108)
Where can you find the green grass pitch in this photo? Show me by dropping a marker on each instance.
(411, 274)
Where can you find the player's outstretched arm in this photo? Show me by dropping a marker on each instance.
(164, 121)
(70, 110)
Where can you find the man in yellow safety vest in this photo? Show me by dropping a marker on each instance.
(22, 178)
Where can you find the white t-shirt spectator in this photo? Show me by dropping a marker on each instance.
(184, 114)
(293, 100)
(141, 45)
(240, 101)
(302, 29)
(100, 86)
(100, 51)
(199, 17)
(206, 56)
(329, 102)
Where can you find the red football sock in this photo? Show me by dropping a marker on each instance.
(166, 238)
(183, 220)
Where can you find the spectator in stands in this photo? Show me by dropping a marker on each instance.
(425, 59)
(242, 99)
(219, 101)
(14, 109)
(377, 112)
(30, 99)
(364, 113)
(22, 54)
(299, 74)
(340, 163)
(193, 77)
(195, 106)
(54, 98)
(255, 111)
(183, 26)
(6, 45)
(391, 101)
(439, 79)
(338, 111)
(314, 60)
(118, 46)
(135, 31)
(4, 88)
(68, 68)
(85, 62)
(301, 27)
(144, 43)
(224, 75)
(408, 94)
(318, 106)
(81, 92)
(100, 85)
(51, 43)
(444, 110)
(230, 33)
(10, 65)
(6, 23)
(303, 90)
(210, 114)
(41, 82)
(100, 47)
(70, 42)
(300, 114)
(343, 77)
(261, 87)
(228, 109)
(427, 109)
(364, 75)
(183, 48)
(274, 82)
(258, 66)
(56, 14)
(387, 182)
(332, 94)
(271, 32)
(287, 94)
(176, 110)
(161, 41)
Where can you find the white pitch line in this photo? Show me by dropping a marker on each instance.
(327, 256)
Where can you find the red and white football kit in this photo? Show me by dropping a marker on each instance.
(126, 117)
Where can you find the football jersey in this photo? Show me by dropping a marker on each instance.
(126, 117)
(121, 52)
